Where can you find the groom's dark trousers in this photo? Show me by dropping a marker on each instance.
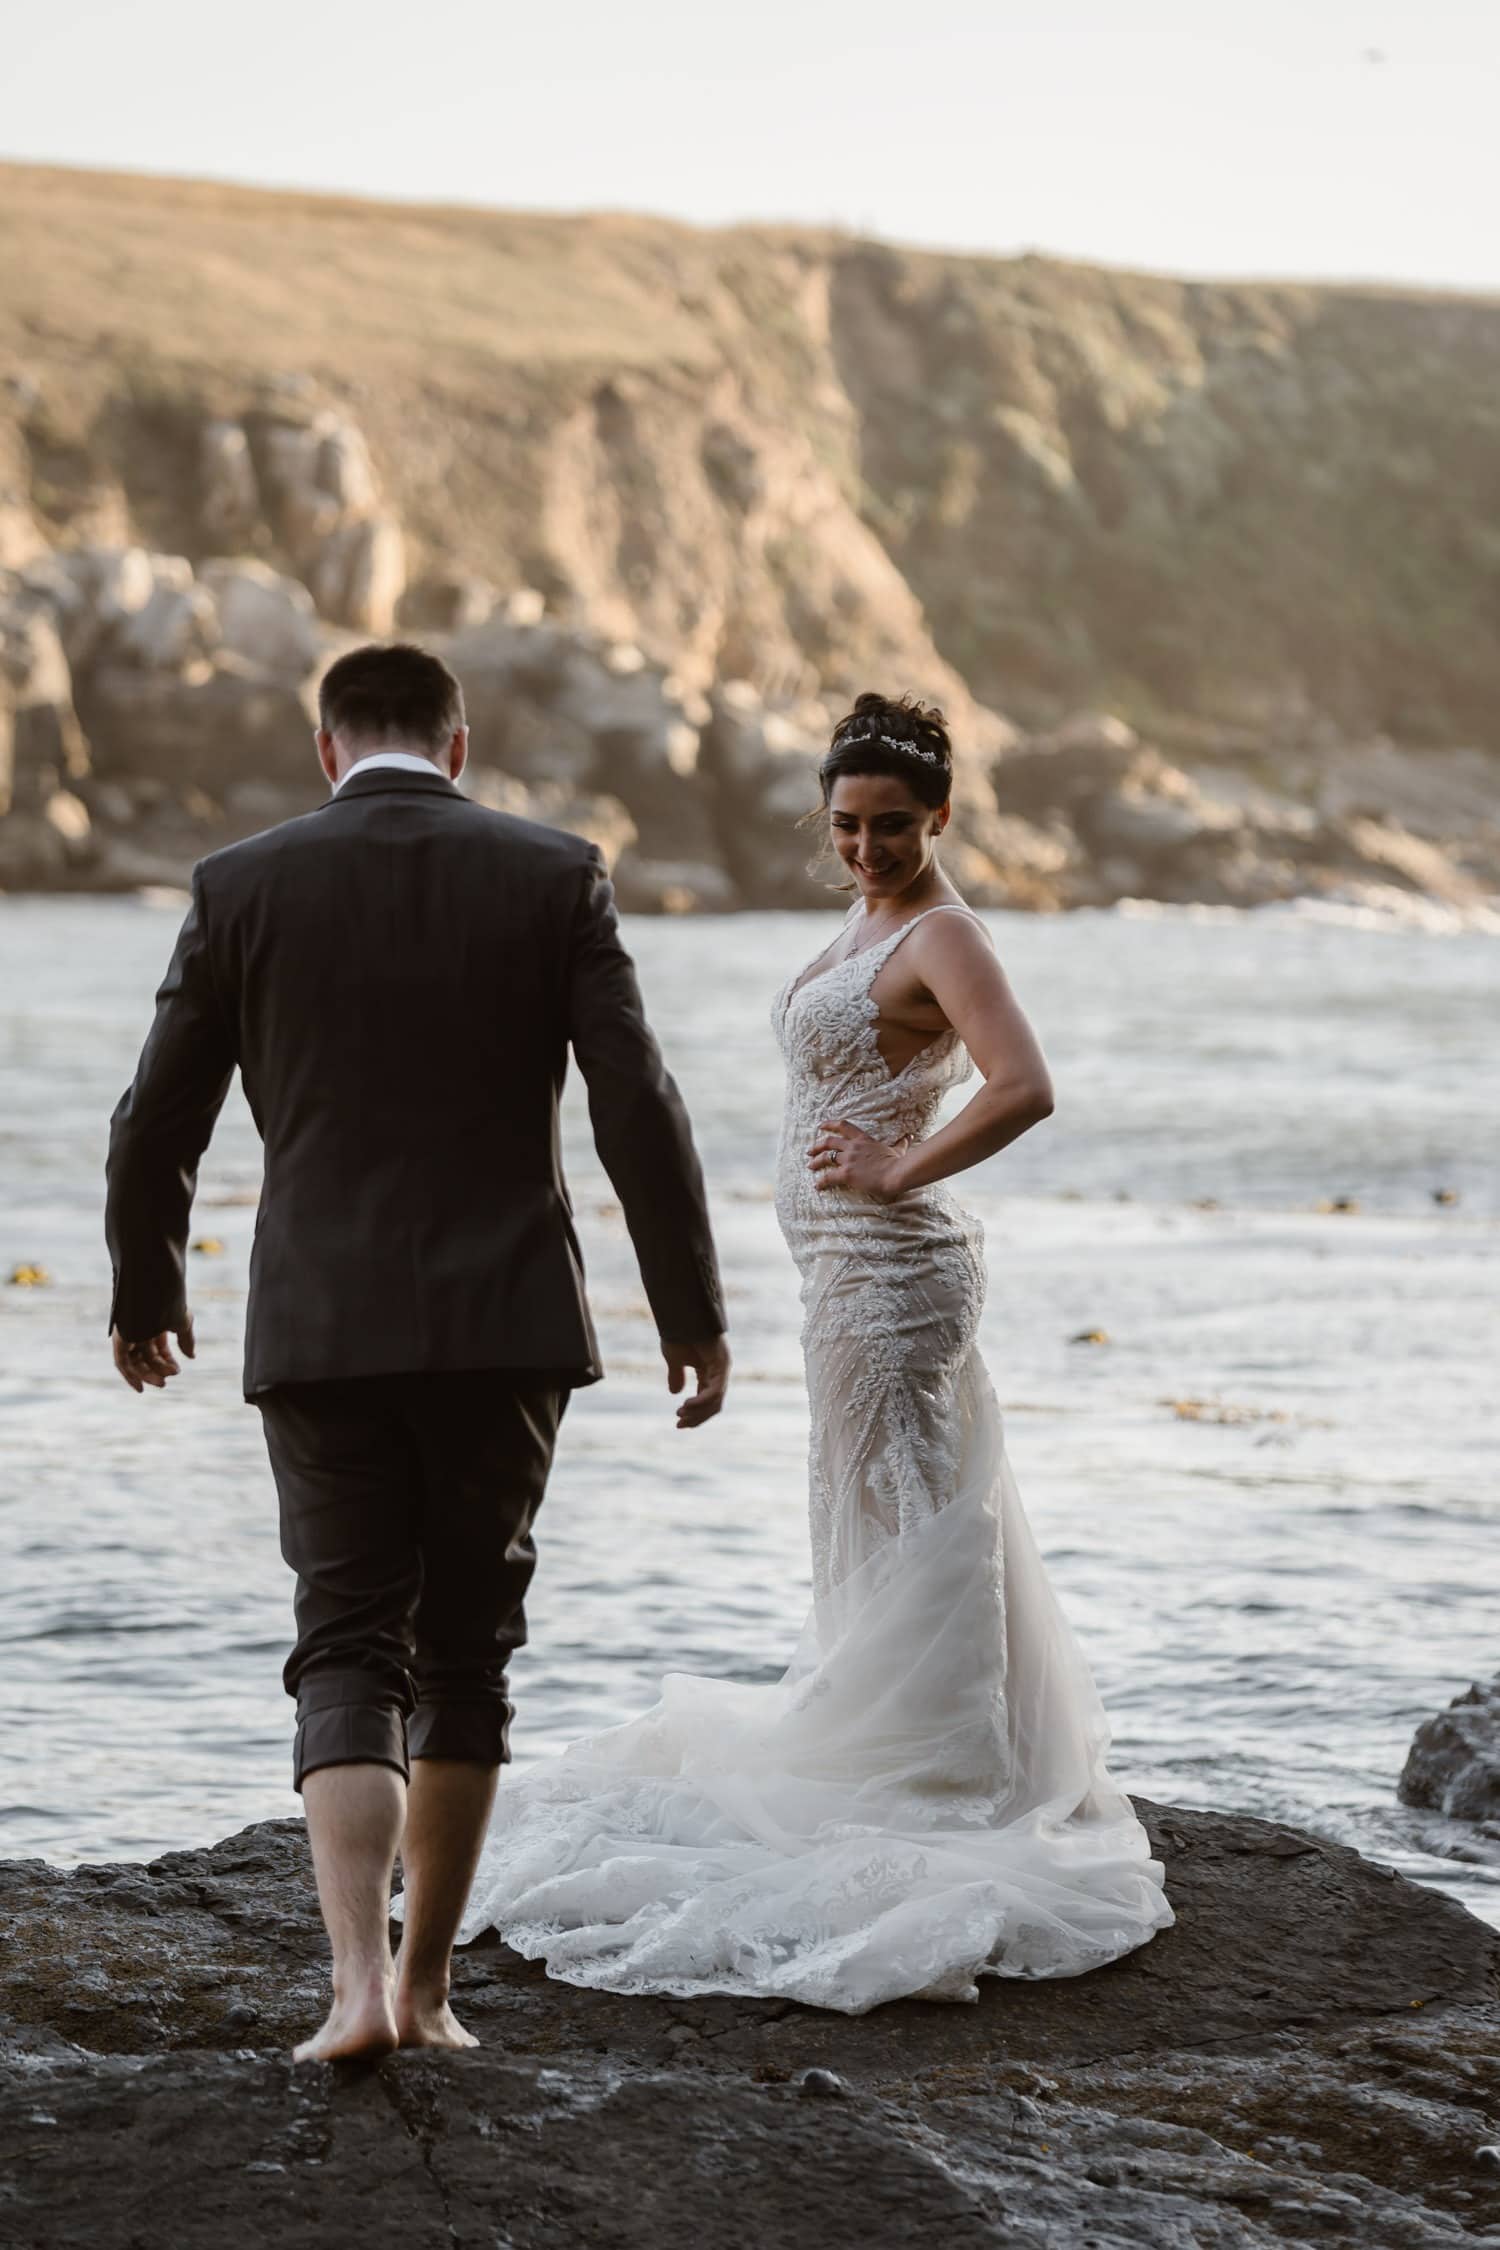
(406, 1510)
(399, 978)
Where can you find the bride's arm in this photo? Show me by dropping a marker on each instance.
(958, 968)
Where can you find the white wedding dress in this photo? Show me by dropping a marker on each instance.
(922, 1799)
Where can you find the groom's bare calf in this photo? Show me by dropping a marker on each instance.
(354, 1818)
(448, 1809)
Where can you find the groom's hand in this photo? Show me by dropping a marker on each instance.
(710, 1363)
(152, 1360)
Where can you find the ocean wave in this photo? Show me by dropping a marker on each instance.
(1371, 906)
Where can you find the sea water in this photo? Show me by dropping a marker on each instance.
(1266, 1495)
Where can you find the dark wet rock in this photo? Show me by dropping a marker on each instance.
(1453, 1766)
(1312, 2053)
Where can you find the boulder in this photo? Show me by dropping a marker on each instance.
(1435, 794)
(229, 503)
(42, 744)
(998, 859)
(252, 805)
(1047, 775)
(538, 744)
(508, 652)
(1453, 1766)
(323, 498)
(1253, 868)
(603, 820)
(21, 541)
(293, 452)
(33, 855)
(128, 863)
(69, 816)
(510, 675)
(264, 617)
(752, 747)
(114, 581)
(553, 707)
(670, 886)
(46, 584)
(763, 765)
(232, 723)
(1094, 734)
(358, 572)
(625, 705)
(177, 628)
(109, 801)
(46, 847)
(1307, 2056)
(342, 467)
(90, 592)
(1385, 850)
(1154, 814)
(446, 605)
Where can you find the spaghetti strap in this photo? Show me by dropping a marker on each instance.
(948, 906)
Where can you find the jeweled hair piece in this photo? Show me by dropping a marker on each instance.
(891, 741)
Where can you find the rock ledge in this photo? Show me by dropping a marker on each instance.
(1312, 2054)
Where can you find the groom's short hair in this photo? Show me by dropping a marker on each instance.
(399, 693)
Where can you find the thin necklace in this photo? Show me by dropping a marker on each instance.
(880, 940)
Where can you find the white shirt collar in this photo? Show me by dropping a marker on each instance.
(405, 761)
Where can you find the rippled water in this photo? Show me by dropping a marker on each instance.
(1273, 1588)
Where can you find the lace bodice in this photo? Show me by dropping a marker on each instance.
(827, 1028)
(891, 1291)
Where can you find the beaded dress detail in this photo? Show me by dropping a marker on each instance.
(922, 1799)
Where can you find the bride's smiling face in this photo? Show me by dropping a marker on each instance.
(884, 835)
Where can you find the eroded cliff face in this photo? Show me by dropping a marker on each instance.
(644, 423)
(1258, 505)
(672, 496)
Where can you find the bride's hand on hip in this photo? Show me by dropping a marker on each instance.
(845, 1156)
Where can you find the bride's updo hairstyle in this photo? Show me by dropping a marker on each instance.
(896, 736)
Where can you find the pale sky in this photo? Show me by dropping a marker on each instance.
(1268, 137)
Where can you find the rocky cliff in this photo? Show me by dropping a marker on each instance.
(1204, 574)
(1309, 2056)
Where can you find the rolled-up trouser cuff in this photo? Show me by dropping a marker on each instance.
(343, 1719)
(477, 1731)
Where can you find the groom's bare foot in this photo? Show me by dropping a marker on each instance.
(361, 2025)
(426, 2020)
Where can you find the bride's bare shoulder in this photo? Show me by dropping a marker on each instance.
(953, 943)
(953, 926)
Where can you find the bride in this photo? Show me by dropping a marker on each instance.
(922, 1799)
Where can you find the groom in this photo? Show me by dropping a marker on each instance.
(399, 976)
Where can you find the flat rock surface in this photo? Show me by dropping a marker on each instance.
(1311, 2054)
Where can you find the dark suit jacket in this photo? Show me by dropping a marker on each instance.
(399, 976)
